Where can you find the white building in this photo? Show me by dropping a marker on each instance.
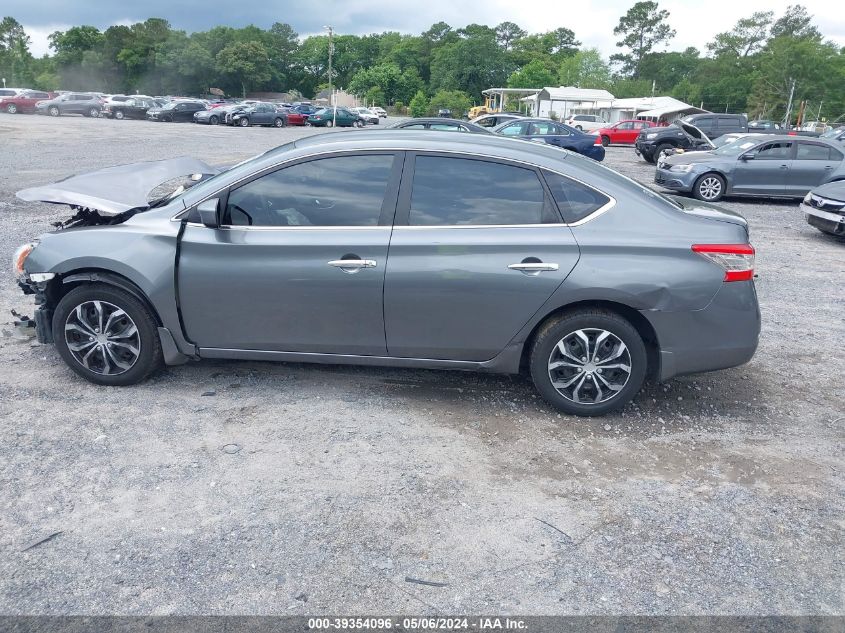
(565, 100)
(657, 109)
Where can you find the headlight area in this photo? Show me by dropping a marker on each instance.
(19, 258)
(681, 168)
(38, 284)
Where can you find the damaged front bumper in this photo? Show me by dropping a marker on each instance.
(42, 320)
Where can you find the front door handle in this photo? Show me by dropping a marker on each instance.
(784, 166)
(533, 267)
(352, 265)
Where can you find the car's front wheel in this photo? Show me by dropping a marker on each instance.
(212, 120)
(53, 111)
(588, 362)
(279, 122)
(93, 113)
(709, 187)
(329, 123)
(119, 115)
(106, 335)
(244, 122)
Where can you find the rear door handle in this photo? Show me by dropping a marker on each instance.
(356, 264)
(533, 267)
(784, 166)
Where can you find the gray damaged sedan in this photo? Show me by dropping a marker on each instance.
(824, 208)
(397, 248)
(774, 166)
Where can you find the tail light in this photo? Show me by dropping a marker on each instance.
(598, 141)
(737, 260)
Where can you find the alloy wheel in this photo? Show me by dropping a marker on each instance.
(589, 366)
(102, 338)
(11, 108)
(710, 188)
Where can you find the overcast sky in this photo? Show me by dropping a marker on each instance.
(592, 20)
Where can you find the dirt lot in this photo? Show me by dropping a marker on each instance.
(315, 489)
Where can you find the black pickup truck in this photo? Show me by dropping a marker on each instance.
(652, 142)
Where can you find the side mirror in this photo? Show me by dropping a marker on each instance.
(208, 213)
(747, 157)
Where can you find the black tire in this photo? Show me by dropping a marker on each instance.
(359, 123)
(212, 120)
(559, 329)
(709, 187)
(93, 113)
(605, 141)
(243, 122)
(658, 152)
(278, 122)
(649, 158)
(167, 119)
(579, 128)
(53, 111)
(149, 358)
(329, 123)
(119, 115)
(12, 108)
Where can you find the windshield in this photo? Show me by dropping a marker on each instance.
(833, 132)
(736, 148)
(168, 106)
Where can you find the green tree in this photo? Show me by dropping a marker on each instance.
(471, 64)
(16, 62)
(535, 74)
(585, 69)
(796, 22)
(746, 38)
(507, 33)
(455, 100)
(245, 60)
(642, 28)
(419, 104)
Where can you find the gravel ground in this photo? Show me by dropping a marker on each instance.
(316, 489)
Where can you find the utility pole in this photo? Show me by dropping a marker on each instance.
(819, 115)
(331, 89)
(786, 119)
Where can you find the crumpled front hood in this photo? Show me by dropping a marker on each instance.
(832, 190)
(114, 190)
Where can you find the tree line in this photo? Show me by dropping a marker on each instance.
(750, 68)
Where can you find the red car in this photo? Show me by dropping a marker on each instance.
(622, 132)
(24, 102)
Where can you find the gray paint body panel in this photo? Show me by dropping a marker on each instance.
(449, 299)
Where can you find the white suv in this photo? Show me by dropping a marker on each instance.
(586, 122)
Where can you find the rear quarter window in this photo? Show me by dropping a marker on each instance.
(575, 200)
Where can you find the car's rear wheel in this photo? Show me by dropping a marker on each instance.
(119, 115)
(279, 122)
(93, 113)
(213, 119)
(106, 335)
(579, 128)
(605, 141)
(11, 108)
(709, 187)
(359, 123)
(53, 111)
(588, 362)
(329, 123)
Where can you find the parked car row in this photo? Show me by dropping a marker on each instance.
(178, 109)
(516, 126)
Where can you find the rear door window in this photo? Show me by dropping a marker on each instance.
(449, 191)
(514, 129)
(815, 151)
(575, 200)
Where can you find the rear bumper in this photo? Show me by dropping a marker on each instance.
(833, 223)
(723, 334)
(596, 152)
